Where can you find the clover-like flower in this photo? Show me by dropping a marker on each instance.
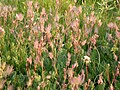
(86, 59)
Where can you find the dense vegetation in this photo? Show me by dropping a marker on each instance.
(59, 45)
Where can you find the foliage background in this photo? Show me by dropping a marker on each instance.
(34, 59)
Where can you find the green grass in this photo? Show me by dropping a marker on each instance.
(45, 50)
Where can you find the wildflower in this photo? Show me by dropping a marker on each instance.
(93, 39)
(75, 24)
(36, 44)
(70, 72)
(116, 27)
(5, 70)
(117, 72)
(30, 13)
(86, 59)
(118, 18)
(110, 25)
(56, 19)
(2, 32)
(9, 70)
(75, 1)
(2, 82)
(100, 81)
(48, 28)
(1, 71)
(83, 42)
(19, 17)
(92, 13)
(30, 82)
(80, 9)
(110, 37)
(29, 4)
(64, 86)
(96, 30)
(48, 76)
(36, 61)
(36, 6)
(75, 65)
(10, 87)
(29, 60)
(38, 87)
(43, 12)
(35, 30)
(65, 74)
(29, 38)
(115, 57)
(119, 64)
(118, 34)
(99, 23)
(69, 59)
(92, 18)
(75, 81)
(75, 10)
(57, 2)
(111, 87)
(87, 19)
(70, 7)
(3, 65)
(51, 55)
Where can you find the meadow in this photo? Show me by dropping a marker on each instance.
(60, 45)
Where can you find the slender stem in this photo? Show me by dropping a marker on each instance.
(98, 56)
(86, 70)
(42, 69)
